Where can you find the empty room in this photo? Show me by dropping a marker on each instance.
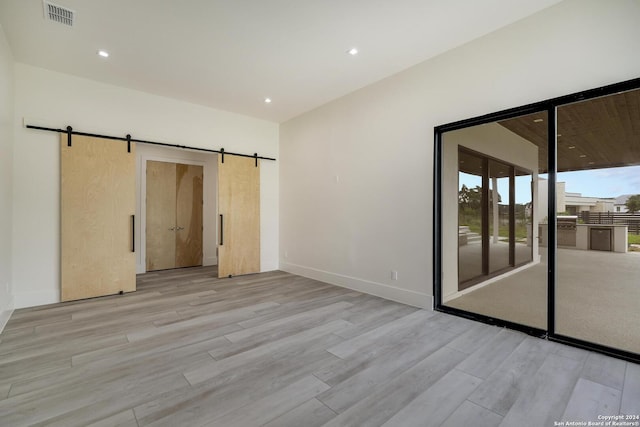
(319, 213)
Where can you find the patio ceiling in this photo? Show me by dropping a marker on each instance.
(594, 134)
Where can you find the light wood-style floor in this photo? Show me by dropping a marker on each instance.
(276, 349)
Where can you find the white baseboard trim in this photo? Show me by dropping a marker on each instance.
(32, 299)
(4, 318)
(404, 296)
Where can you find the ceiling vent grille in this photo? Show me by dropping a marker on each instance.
(59, 14)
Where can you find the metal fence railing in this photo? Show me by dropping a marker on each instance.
(629, 219)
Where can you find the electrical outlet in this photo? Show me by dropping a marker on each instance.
(394, 275)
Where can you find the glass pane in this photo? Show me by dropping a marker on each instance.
(598, 252)
(469, 218)
(499, 218)
(523, 217)
(493, 262)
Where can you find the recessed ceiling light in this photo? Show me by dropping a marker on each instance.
(592, 163)
(538, 120)
(559, 135)
(103, 53)
(571, 147)
(583, 156)
(353, 51)
(267, 100)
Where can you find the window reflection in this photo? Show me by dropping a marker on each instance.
(493, 266)
(494, 227)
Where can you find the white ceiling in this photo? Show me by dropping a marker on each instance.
(231, 54)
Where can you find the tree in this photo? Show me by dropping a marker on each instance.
(633, 203)
(469, 198)
(463, 195)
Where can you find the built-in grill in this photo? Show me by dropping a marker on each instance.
(567, 222)
(566, 234)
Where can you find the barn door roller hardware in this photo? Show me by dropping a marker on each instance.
(69, 131)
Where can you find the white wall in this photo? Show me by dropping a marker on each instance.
(53, 99)
(6, 167)
(379, 142)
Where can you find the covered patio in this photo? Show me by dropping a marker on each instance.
(597, 297)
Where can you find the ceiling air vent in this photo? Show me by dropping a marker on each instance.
(59, 14)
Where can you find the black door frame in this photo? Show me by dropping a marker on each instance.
(550, 106)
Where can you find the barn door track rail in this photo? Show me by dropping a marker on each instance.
(69, 131)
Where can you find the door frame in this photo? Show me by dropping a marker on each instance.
(209, 162)
(550, 106)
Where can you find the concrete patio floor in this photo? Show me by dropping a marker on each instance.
(597, 297)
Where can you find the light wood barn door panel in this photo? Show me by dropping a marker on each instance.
(97, 204)
(161, 215)
(188, 215)
(239, 206)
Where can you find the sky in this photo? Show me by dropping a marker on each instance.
(605, 183)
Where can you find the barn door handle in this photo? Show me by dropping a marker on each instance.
(172, 229)
(133, 233)
(179, 228)
(221, 230)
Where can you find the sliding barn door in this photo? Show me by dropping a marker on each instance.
(97, 208)
(239, 209)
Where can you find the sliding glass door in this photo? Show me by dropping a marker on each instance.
(537, 222)
(598, 259)
(496, 234)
